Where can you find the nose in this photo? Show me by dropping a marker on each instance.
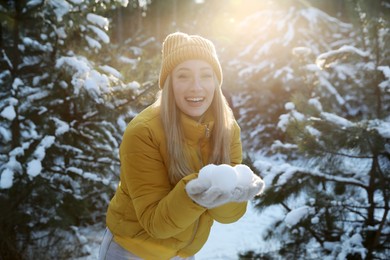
(197, 83)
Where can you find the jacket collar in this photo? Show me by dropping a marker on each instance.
(195, 131)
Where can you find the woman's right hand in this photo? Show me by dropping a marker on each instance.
(203, 193)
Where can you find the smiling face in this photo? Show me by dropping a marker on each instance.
(193, 87)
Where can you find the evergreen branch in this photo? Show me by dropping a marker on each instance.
(146, 90)
(351, 221)
(346, 155)
(314, 234)
(338, 179)
(285, 206)
(361, 207)
(356, 212)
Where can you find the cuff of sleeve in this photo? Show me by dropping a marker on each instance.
(189, 209)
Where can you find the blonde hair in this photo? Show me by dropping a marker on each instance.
(179, 165)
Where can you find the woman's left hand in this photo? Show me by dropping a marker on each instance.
(247, 192)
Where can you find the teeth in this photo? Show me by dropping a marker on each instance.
(194, 99)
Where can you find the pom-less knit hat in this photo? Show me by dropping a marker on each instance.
(179, 47)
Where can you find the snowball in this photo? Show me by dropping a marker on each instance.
(244, 174)
(222, 176)
(206, 170)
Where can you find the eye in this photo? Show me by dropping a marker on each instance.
(207, 76)
(183, 76)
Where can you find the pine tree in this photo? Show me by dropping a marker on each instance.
(335, 194)
(63, 109)
(267, 61)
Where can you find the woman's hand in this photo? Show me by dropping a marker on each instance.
(220, 184)
(245, 192)
(203, 193)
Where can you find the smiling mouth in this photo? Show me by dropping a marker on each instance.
(198, 99)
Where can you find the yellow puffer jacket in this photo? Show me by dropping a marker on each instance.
(148, 216)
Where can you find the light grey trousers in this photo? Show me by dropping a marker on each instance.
(110, 250)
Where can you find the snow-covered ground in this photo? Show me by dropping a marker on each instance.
(225, 241)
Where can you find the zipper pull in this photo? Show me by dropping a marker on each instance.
(207, 131)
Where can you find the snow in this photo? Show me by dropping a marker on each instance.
(222, 176)
(385, 70)
(122, 124)
(34, 168)
(315, 220)
(6, 59)
(337, 120)
(289, 106)
(312, 131)
(316, 103)
(244, 175)
(6, 179)
(350, 245)
(94, 44)
(384, 130)
(5, 134)
(287, 171)
(278, 144)
(226, 177)
(124, 3)
(112, 71)
(126, 60)
(33, 3)
(60, 8)
(297, 215)
(101, 34)
(386, 83)
(301, 51)
(346, 49)
(225, 242)
(17, 83)
(332, 90)
(8, 113)
(60, 31)
(98, 20)
(85, 76)
(61, 126)
(382, 127)
(46, 142)
(285, 119)
(283, 122)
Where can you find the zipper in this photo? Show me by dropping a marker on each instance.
(199, 150)
(207, 131)
(207, 135)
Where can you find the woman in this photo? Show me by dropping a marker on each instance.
(161, 210)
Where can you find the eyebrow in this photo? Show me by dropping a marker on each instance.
(188, 69)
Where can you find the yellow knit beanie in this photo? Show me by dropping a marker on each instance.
(179, 47)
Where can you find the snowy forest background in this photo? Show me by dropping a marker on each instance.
(310, 87)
